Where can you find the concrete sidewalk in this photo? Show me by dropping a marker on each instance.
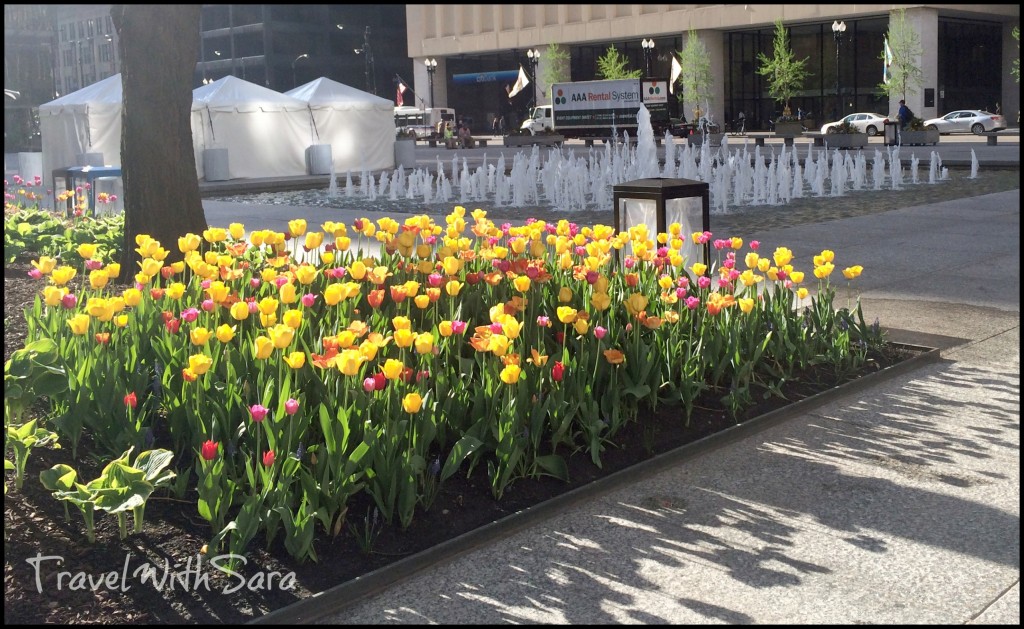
(898, 504)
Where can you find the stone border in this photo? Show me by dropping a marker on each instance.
(345, 594)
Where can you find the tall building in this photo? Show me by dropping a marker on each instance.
(283, 46)
(28, 72)
(966, 60)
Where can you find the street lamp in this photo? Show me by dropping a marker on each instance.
(431, 69)
(648, 46)
(302, 56)
(533, 56)
(838, 28)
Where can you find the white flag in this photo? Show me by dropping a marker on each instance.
(520, 83)
(886, 74)
(676, 71)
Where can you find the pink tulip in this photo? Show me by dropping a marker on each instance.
(208, 305)
(291, 406)
(255, 282)
(189, 314)
(703, 281)
(754, 244)
(308, 300)
(599, 332)
(369, 384)
(258, 412)
(692, 302)
(35, 274)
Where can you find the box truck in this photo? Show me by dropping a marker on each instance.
(601, 109)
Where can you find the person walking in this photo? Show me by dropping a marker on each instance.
(495, 125)
(904, 115)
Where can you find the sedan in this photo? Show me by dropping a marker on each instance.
(871, 124)
(967, 121)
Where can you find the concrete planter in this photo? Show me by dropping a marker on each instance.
(714, 139)
(928, 136)
(845, 140)
(789, 128)
(405, 153)
(529, 140)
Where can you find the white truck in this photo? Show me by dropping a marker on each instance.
(601, 109)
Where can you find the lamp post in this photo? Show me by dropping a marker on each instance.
(431, 64)
(533, 56)
(648, 45)
(302, 56)
(838, 28)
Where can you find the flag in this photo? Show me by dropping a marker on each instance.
(520, 84)
(399, 99)
(886, 74)
(676, 71)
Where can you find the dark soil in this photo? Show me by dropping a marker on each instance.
(174, 534)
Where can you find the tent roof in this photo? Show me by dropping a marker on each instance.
(233, 94)
(101, 93)
(325, 92)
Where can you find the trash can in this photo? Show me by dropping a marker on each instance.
(890, 133)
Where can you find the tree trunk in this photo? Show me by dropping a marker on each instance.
(159, 47)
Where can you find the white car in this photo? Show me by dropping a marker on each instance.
(967, 121)
(871, 124)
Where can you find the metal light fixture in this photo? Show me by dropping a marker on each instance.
(431, 64)
(648, 46)
(302, 56)
(658, 203)
(838, 28)
(533, 57)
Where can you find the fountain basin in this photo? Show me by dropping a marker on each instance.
(845, 140)
(550, 139)
(697, 139)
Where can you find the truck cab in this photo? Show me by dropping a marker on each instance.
(540, 120)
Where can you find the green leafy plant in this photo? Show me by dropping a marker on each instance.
(844, 127)
(905, 74)
(784, 73)
(614, 65)
(696, 78)
(21, 440)
(555, 68)
(121, 487)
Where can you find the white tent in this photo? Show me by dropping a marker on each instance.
(264, 131)
(359, 126)
(86, 121)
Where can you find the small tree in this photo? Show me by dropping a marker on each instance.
(556, 66)
(784, 72)
(905, 74)
(612, 65)
(696, 78)
(1015, 70)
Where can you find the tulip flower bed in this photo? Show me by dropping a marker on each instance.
(306, 391)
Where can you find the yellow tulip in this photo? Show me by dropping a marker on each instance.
(444, 328)
(175, 290)
(62, 275)
(393, 369)
(218, 291)
(199, 336)
(306, 273)
(225, 333)
(287, 293)
(451, 265)
(297, 227)
(199, 363)
(699, 268)
(357, 270)
(404, 338)
(510, 374)
(292, 319)
(87, 251)
(801, 293)
(746, 304)
(268, 274)
(132, 296)
(295, 360)
(422, 301)
(498, 344)
(112, 270)
(424, 343)
(267, 320)
(852, 272)
(79, 324)
(510, 327)
(581, 325)
(635, 303)
(333, 294)
(564, 296)
(98, 279)
(453, 287)
(240, 311)
(412, 402)
(150, 266)
(782, 256)
(401, 323)
(52, 295)
(566, 314)
(823, 271)
(263, 347)
(281, 335)
(189, 242)
(268, 305)
(45, 264)
(121, 321)
(796, 276)
(601, 301)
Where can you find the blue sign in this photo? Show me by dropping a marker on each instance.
(503, 76)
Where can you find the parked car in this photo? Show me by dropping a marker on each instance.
(871, 124)
(967, 121)
(679, 128)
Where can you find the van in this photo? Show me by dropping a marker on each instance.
(540, 120)
(423, 122)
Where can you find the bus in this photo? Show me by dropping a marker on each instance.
(423, 122)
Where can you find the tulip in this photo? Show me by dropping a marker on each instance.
(263, 347)
(258, 412)
(291, 406)
(209, 450)
(566, 314)
(295, 360)
(131, 400)
(558, 371)
(393, 369)
(614, 356)
(850, 272)
(199, 363)
(600, 332)
(510, 374)
(79, 324)
(369, 384)
(268, 458)
(225, 333)
(86, 250)
(424, 343)
(199, 336)
(189, 315)
(412, 402)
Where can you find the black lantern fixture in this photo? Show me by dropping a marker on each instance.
(648, 46)
(659, 202)
(838, 28)
(431, 69)
(533, 57)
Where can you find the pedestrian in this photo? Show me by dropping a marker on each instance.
(904, 115)
(494, 125)
(501, 124)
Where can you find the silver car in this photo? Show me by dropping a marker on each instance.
(967, 121)
(871, 124)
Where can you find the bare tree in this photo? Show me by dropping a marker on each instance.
(159, 47)
(905, 74)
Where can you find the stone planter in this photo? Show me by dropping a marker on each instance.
(845, 140)
(697, 139)
(552, 139)
(405, 153)
(790, 129)
(910, 138)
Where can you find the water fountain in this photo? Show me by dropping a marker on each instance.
(974, 165)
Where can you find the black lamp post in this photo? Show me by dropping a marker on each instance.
(533, 57)
(431, 64)
(838, 28)
(302, 56)
(648, 45)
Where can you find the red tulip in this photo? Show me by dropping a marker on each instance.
(268, 458)
(209, 449)
(131, 400)
(558, 371)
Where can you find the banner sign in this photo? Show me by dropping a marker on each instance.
(502, 76)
